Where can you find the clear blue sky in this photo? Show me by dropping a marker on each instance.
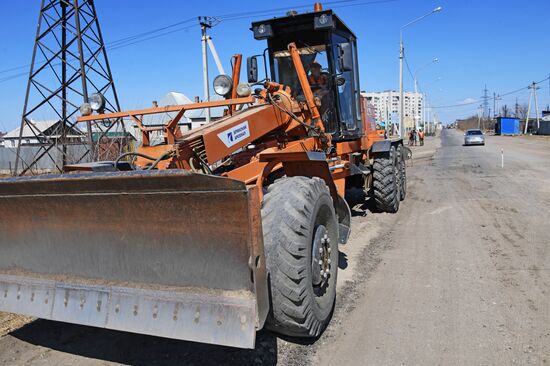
(501, 43)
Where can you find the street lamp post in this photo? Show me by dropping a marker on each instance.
(401, 56)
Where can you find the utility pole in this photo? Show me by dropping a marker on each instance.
(535, 87)
(429, 112)
(423, 112)
(494, 105)
(205, 23)
(401, 56)
(206, 41)
(401, 101)
(415, 111)
(516, 108)
(485, 98)
(528, 111)
(387, 116)
(479, 112)
(426, 117)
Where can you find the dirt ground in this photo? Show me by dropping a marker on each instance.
(460, 276)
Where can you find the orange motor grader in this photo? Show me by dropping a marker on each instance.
(219, 230)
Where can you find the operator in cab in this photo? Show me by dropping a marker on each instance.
(317, 80)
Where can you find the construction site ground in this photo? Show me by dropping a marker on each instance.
(460, 276)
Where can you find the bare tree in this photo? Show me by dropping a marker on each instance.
(467, 123)
(522, 111)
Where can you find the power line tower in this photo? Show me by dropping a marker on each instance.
(69, 64)
(496, 105)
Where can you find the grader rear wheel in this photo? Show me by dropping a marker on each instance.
(403, 171)
(387, 181)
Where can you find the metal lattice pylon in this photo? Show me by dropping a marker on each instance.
(69, 63)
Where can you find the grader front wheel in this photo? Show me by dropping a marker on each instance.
(301, 243)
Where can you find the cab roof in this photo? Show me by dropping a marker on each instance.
(319, 20)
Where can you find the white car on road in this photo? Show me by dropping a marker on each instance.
(474, 137)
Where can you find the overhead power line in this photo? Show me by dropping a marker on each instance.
(114, 45)
(177, 27)
(491, 98)
(334, 4)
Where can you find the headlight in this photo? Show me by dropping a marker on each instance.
(97, 102)
(223, 85)
(85, 109)
(243, 90)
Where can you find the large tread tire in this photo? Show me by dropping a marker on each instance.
(386, 184)
(293, 210)
(403, 171)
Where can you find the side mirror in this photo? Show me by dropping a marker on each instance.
(345, 57)
(252, 69)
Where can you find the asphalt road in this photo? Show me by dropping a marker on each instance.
(460, 276)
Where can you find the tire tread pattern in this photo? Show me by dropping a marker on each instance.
(386, 190)
(286, 208)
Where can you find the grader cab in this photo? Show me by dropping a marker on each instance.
(219, 230)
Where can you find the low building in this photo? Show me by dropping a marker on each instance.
(38, 132)
(507, 126)
(544, 123)
(191, 119)
(2, 134)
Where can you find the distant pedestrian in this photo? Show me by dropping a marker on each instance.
(411, 138)
(421, 137)
(414, 136)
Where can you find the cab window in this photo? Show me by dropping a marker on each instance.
(285, 73)
(346, 89)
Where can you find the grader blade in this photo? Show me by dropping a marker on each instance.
(166, 253)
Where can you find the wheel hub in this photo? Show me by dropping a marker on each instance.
(320, 258)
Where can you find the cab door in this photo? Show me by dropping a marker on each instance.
(347, 87)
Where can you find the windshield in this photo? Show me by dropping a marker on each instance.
(474, 132)
(315, 62)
